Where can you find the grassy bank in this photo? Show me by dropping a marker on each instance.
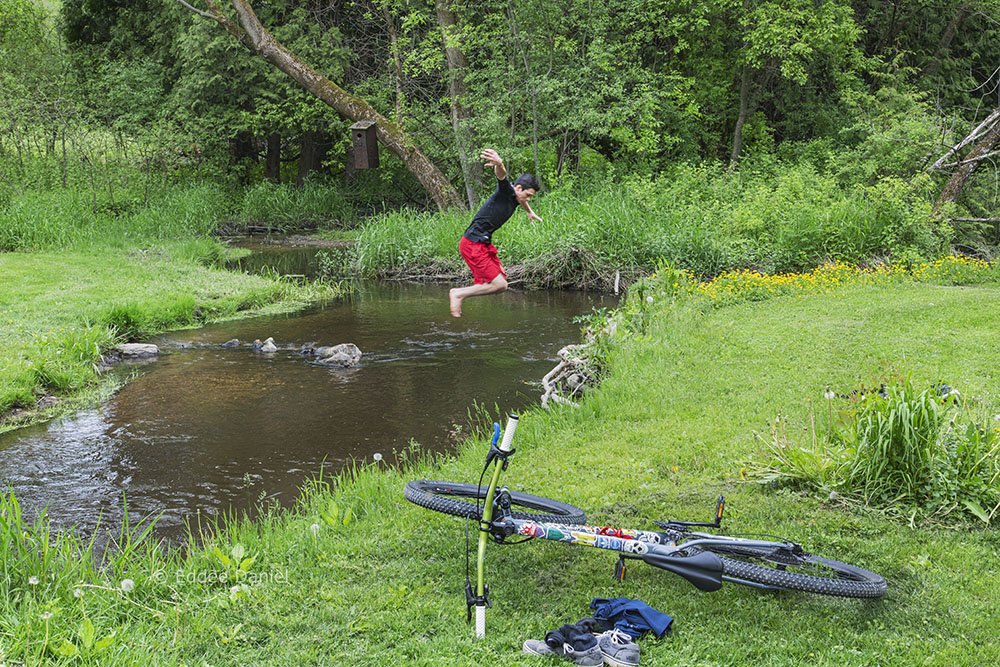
(62, 309)
(355, 575)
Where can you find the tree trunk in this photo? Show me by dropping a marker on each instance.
(532, 91)
(472, 170)
(396, 61)
(946, 37)
(307, 144)
(953, 188)
(741, 118)
(253, 35)
(272, 162)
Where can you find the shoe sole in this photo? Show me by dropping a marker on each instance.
(542, 655)
(612, 662)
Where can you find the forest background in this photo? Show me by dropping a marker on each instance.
(761, 113)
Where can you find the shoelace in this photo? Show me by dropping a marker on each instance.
(618, 636)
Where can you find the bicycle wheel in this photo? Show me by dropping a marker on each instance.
(783, 568)
(453, 498)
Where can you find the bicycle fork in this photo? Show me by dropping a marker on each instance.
(480, 600)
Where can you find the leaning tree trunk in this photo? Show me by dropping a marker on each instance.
(965, 167)
(253, 35)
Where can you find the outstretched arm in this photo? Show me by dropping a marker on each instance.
(493, 159)
(532, 217)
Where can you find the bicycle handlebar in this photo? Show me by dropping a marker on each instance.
(508, 433)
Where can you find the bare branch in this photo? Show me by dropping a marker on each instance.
(970, 160)
(984, 126)
(197, 11)
(216, 15)
(974, 219)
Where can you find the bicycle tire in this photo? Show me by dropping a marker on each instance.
(787, 570)
(449, 498)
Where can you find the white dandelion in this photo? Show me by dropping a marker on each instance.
(127, 585)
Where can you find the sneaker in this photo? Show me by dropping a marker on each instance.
(588, 657)
(538, 647)
(617, 648)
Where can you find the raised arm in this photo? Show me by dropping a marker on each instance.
(493, 159)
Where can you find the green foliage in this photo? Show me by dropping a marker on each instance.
(915, 451)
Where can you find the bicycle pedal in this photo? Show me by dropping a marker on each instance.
(620, 570)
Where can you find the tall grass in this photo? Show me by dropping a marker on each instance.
(699, 218)
(57, 218)
(289, 208)
(913, 451)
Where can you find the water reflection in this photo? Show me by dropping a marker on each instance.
(206, 429)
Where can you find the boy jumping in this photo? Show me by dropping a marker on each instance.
(476, 246)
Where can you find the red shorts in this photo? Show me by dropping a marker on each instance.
(482, 259)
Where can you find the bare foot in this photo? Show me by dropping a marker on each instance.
(455, 302)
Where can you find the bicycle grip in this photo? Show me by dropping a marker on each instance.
(508, 433)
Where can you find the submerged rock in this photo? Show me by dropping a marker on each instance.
(235, 342)
(138, 350)
(344, 355)
(267, 347)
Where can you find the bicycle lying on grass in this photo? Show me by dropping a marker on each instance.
(704, 559)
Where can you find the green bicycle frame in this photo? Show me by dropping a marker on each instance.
(484, 530)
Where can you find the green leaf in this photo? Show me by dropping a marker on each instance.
(977, 509)
(247, 562)
(348, 516)
(67, 649)
(102, 644)
(238, 552)
(223, 558)
(87, 633)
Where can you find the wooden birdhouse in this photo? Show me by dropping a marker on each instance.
(365, 144)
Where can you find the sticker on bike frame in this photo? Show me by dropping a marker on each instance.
(635, 542)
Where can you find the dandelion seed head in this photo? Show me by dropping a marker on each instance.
(33, 580)
(376, 456)
(127, 585)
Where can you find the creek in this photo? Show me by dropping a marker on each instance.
(205, 430)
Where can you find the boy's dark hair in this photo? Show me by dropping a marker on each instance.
(527, 182)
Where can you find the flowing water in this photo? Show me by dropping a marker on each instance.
(207, 430)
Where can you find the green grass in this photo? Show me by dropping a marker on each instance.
(670, 428)
(62, 309)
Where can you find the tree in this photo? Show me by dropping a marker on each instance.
(986, 136)
(786, 39)
(252, 34)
